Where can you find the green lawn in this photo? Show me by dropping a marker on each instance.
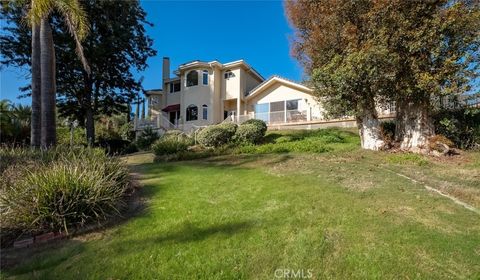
(340, 214)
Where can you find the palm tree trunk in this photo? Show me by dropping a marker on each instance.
(47, 65)
(36, 121)
(89, 122)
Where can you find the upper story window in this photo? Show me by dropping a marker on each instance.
(192, 78)
(205, 77)
(229, 74)
(175, 86)
(192, 113)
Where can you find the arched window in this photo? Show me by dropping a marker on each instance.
(205, 112)
(192, 113)
(229, 74)
(192, 78)
(205, 77)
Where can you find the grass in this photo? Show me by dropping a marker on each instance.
(338, 213)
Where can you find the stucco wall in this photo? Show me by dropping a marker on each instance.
(231, 86)
(280, 92)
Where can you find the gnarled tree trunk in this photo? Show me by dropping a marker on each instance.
(414, 125)
(369, 130)
(47, 65)
(36, 119)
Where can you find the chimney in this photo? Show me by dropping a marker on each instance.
(165, 69)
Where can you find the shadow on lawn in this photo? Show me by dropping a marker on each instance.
(222, 163)
(187, 233)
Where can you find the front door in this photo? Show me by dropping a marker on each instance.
(174, 116)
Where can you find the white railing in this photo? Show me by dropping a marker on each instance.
(156, 122)
(289, 116)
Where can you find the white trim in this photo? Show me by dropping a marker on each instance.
(278, 80)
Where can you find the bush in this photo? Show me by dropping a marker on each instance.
(250, 133)
(461, 126)
(67, 189)
(214, 136)
(259, 123)
(231, 128)
(63, 136)
(146, 139)
(114, 146)
(171, 144)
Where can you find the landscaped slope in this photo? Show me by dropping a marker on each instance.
(339, 215)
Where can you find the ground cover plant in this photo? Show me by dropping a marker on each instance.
(345, 213)
(61, 189)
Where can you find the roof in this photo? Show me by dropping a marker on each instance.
(277, 79)
(229, 65)
(153, 91)
(170, 108)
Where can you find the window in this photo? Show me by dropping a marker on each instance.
(192, 78)
(292, 105)
(192, 113)
(205, 77)
(229, 74)
(262, 111)
(175, 86)
(205, 112)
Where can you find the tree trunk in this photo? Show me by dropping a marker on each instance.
(369, 130)
(415, 126)
(36, 120)
(47, 65)
(89, 122)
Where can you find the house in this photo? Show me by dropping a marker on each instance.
(204, 93)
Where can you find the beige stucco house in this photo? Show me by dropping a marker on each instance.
(204, 93)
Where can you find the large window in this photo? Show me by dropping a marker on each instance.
(262, 112)
(175, 86)
(205, 112)
(192, 78)
(192, 113)
(292, 105)
(205, 77)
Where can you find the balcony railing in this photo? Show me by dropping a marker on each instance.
(289, 116)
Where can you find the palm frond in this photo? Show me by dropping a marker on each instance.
(76, 20)
(39, 9)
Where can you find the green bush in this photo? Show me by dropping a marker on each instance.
(249, 133)
(171, 144)
(66, 189)
(214, 136)
(231, 128)
(146, 138)
(462, 126)
(64, 137)
(259, 123)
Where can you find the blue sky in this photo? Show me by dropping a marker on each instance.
(256, 31)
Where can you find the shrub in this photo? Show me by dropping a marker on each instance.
(461, 126)
(64, 137)
(259, 123)
(67, 189)
(214, 136)
(250, 133)
(231, 128)
(146, 138)
(114, 146)
(171, 144)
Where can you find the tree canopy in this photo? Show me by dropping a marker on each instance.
(116, 46)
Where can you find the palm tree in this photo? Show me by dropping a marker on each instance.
(36, 121)
(43, 58)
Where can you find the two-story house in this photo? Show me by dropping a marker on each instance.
(204, 93)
